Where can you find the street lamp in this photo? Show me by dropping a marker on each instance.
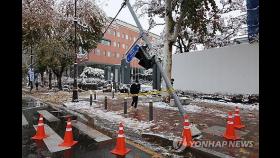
(75, 85)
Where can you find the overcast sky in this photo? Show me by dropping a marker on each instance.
(111, 7)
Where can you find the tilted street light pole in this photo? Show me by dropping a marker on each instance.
(167, 81)
(75, 85)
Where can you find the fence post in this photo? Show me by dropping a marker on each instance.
(151, 110)
(113, 93)
(90, 98)
(105, 103)
(125, 106)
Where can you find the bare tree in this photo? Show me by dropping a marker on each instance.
(198, 15)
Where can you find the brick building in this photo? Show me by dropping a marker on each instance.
(114, 45)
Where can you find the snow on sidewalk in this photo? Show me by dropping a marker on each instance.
(239, 105)
(114, 117)
(189, 108)
(162, 105)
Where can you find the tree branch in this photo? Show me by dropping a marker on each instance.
(178, 24)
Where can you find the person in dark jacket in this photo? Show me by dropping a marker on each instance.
(134, 90)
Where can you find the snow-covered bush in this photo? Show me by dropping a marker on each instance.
(90, 72)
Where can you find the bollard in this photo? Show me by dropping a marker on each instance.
(90, 98)
(94, 95)
(105, 103)
(125, 106)
(151, 110)
(113, 92)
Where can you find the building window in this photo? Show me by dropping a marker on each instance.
(126, 47)
(126, 37)
(119, 44)
(123, 35)
(134, 39)
(117, 55)
(106, 42)
(108, 54)
(123, 46)
(118, 34)
(97, 52)
(115, 44)
(131, 38)
(104, 53)
(114, 33)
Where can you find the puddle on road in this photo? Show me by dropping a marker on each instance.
(85, 148)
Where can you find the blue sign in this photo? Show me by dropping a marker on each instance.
(130, 55)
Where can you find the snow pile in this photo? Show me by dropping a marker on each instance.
(148, 72)
(239, 105)
(93, 81)
(114, 117)
(79, 105)
(146, 88)
(92, 72)
(188, 108)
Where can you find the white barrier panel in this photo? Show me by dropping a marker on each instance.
(229, 70)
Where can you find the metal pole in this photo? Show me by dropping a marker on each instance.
(31, 57)
(94, 95)
(105, 102)
(125, 106)
(75, 85)
(151, 114)
(90, 98)
(167, 82)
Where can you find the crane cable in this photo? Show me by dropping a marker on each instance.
(123, 4)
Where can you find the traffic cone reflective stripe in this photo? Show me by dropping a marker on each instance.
(40, 133)
(187, 136)
(68, 136)
(230, 131)
(237, 119)
(120, 148)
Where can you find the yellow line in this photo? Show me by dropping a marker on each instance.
(145, 149)
(147, 93)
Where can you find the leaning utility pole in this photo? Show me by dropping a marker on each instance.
(167, 82)
(170, 89)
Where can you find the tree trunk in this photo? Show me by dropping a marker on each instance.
(50, 79)
(59, 81)
(42, 78)
(167, 48)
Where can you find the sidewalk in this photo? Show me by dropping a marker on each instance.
(168, 122)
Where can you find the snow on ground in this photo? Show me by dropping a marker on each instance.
(79, 105)
(114, 117)
(146, 88)
(239, 105)
(188, 108)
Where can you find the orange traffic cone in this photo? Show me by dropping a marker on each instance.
(237, 120)
(40, 133)
(230, 131)
(187, 135)
(120, 148)
(68, 136)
